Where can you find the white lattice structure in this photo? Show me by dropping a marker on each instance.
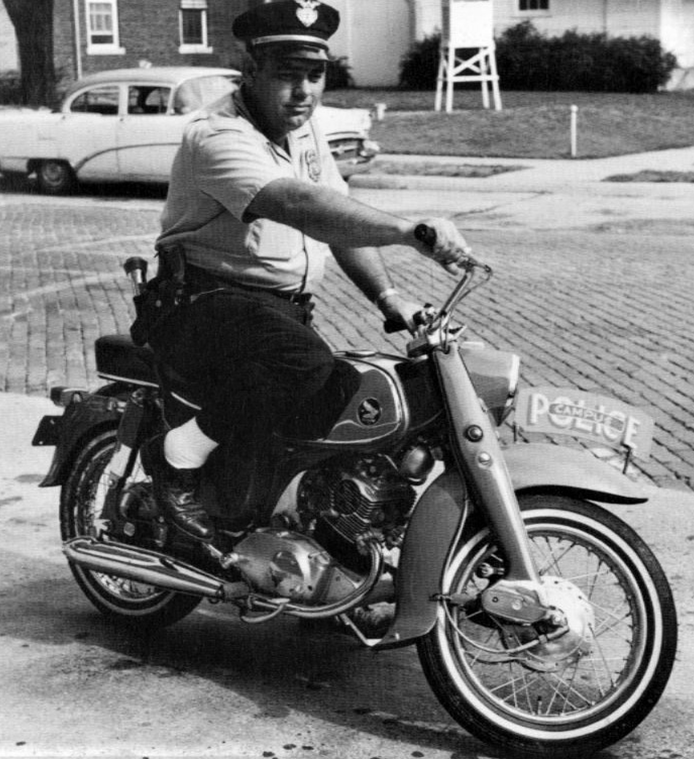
(467, 25)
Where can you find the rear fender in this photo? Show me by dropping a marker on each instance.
(81, 418)
(436, 520)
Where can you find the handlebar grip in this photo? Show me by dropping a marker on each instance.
(425, 234)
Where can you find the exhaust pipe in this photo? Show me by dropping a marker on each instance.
(150, 568)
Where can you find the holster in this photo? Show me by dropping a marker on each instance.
(162, 296)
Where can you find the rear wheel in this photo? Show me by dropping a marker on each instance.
(55, 177)
(81, 503)
(580, 692)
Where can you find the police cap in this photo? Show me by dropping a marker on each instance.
(304, 25)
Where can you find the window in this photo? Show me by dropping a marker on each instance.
(103, 100)
(102, 27)
(192, 22)
(148, 100)
(533, 5)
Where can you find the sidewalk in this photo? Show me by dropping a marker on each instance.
(534, 174)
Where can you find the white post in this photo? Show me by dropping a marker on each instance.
(574, 130)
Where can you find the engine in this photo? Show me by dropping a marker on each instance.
(359, 499)
(343, 511)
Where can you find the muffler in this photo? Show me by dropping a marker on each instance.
(150, 568)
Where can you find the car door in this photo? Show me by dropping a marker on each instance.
(149, 134)
(86, 133)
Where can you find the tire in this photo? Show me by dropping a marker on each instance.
(588, 700)
(119, 599)
(55, 177)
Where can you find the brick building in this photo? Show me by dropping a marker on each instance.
(95, 35)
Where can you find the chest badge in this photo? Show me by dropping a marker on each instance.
(312, 165)
(307, 13)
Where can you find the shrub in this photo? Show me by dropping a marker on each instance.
(529, 60)
(337, 75)
(419, 66)
(10, 88)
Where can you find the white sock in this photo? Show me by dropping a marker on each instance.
(187, 446)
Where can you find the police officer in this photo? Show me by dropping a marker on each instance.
(256, 203)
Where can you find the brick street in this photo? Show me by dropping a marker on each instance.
(603, 307)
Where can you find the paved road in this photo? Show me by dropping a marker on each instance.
(593, 289)
(72, 684)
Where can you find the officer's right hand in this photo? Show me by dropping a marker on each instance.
(449, 247)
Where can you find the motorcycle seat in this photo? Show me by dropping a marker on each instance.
(119, 359)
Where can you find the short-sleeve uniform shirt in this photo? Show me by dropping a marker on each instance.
(223, 162)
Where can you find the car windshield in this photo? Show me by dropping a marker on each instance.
(195, 93)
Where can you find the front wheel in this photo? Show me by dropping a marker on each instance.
(581, 692)
(81, 503)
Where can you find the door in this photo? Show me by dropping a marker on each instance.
(149, 134)
(86, 133)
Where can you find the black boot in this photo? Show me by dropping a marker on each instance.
(174, 492)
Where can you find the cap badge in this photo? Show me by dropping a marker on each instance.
(307, 13)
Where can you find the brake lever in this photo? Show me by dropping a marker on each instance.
(422, 318)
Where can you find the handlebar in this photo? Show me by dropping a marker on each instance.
(427, 235)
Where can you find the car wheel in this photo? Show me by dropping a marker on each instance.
(55, 177)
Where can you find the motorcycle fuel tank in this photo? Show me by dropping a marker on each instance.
(366, 404)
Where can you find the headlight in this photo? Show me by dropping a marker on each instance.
(370, 148)
(495, 375)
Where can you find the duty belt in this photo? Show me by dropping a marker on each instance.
(201, 281)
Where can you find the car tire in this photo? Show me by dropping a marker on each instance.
(55, 177)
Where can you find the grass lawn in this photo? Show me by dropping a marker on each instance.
(531, 124)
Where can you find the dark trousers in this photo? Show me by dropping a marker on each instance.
(253, 357)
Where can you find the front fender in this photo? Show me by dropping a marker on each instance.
(433, 525)
(437, 515)
(535, 466)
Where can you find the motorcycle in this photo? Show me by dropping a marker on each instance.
(543, 622)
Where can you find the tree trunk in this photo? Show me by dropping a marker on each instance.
(33, 24)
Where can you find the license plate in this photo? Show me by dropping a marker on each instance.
(603, 420)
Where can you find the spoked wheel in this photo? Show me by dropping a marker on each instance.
(581, 691)
(55, 177)
(81, 503)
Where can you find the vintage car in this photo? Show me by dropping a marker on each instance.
(126, 124)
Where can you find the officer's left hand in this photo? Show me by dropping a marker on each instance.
(398, 309)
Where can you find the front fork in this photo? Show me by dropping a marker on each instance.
(479, 458)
